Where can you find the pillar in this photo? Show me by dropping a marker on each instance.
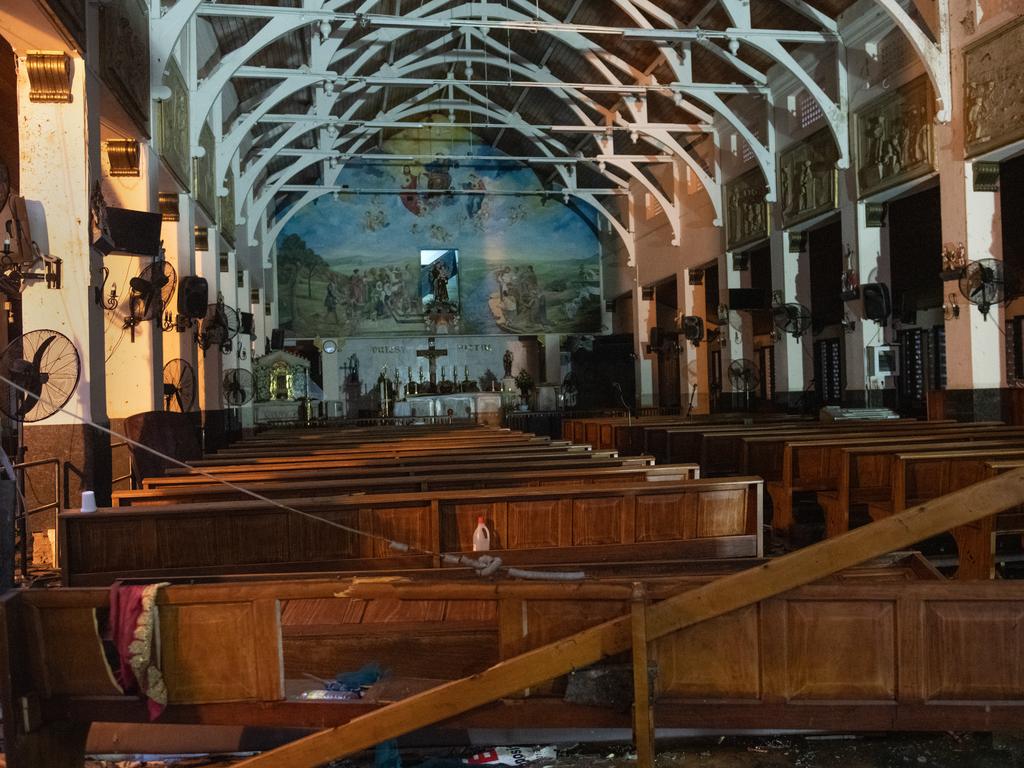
(59, 146)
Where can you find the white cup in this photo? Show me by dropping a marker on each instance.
(88, 501)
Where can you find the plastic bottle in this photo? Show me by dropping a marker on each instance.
(481, 536)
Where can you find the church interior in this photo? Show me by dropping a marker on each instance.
(382, 375)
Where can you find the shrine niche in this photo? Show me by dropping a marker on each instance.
(281, 376)
(994, 90)
(124, 57)
(808, 179)
(747, 219)
(894, 139)
(172, 125)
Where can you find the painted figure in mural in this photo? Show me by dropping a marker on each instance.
(474, 201)
(439, 281)
(331, 302)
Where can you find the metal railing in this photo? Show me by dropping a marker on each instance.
(21, 519)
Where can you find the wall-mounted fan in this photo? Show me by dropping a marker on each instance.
(792, 318)
(239, 386)
(984, 283)
(179, 386)
(693, 329)
(218, 328)
(743, 376)
(39, 373)
(149, 293)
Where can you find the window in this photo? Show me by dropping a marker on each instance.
(808, 110)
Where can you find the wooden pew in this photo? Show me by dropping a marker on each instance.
(548, 524)
(391, 468)
(292, 457)
(288, 488)
(243, 450)
(235, 654)
(815, 465)
(411, 460)
(921, 477)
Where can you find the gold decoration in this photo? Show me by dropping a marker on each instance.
(994, 90)
(202, 239)
(124, 56)
(172, 125)
(169, 206)
(746, 219)
(203, 173)
(123, 155)
(894, 138)
(808, 179)
(49, 77)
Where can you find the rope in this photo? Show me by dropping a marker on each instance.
(484, 565)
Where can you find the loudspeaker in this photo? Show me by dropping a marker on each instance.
(136, 232)
(247, 326)
(277, 339)
(877, 304)
(193, 296)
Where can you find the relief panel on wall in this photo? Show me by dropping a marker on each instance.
(808, 179)
(994, 90)
(226, 217)
(747, 210)
(894, 140)
(71, 13)
(124, 57)
(172, 125)
(203, 183)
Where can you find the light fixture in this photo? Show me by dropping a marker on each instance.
(951, 309)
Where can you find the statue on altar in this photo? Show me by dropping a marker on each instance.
(507, 361)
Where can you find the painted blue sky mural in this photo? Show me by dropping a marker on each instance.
(349, 265)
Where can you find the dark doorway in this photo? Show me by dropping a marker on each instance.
(825, 250)
(666, 306)
(606, 374)
(915, 248)
(760, 261)
(1011, 195)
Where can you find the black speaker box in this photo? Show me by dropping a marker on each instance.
(247, 325)
(193, 296)
(277, 339)
(135, 232)
(877, 304)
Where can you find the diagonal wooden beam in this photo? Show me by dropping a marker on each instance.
(678, 612)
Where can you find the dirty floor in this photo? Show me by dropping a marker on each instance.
(893, 751)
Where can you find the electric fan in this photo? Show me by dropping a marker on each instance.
(792, 318)
(693, 329)
(983, 283)
(179, 386)
(39, 371)
(218, 327)
(239, 386)
(150, 293)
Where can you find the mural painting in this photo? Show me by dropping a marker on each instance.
(376, 262)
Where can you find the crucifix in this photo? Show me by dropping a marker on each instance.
(432, 353)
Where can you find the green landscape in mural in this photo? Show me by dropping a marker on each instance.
(351, 265)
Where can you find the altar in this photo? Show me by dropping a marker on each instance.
(284, 389)
(484, 407)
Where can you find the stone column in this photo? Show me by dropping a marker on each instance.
(179, 250)
(59, 146)
(134, 360)
(693, 360)
(791, 284)
(645, 317)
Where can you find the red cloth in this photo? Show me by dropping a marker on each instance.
(127, 613)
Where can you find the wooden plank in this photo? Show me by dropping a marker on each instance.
(643, 712)
(716, 599)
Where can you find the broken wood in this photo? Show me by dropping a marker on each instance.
(612, 637)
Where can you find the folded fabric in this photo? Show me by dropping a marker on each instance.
(133, 631)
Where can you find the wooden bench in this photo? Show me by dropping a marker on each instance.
(903, 654)
(814, 465)
(548, 524)
(385, 468)
(920, 477)
(287, 487)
